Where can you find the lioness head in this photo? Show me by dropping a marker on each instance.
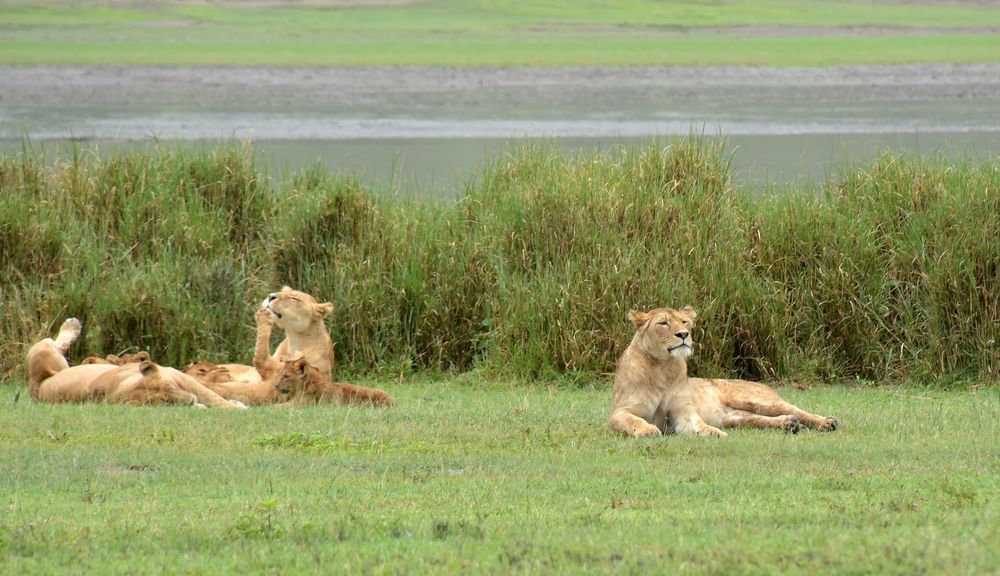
(295, 311)
(664, 332)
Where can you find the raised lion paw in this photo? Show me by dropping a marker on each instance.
(263, 317)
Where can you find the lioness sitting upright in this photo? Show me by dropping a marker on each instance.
(304, 321)
(652, 389)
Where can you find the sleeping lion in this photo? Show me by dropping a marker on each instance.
(51, 379)
(653, 394)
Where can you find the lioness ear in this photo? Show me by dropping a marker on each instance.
(690, 312)
(637, 318)
(286, 288)
(300, 367)
(322, 310)
(141, 356)
(148, 369)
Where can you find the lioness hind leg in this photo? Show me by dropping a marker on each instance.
(763, 400)
(68, 333)
(744, 419)
(47, 356)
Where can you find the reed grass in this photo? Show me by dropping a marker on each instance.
(885, 272)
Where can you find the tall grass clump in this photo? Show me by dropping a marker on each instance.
(406, 282)
(892, 269)
(577, 241)
(147, 249)
(887, 271)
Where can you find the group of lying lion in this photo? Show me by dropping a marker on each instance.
(299, 372)
(652, 391)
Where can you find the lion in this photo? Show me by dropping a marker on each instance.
(652, 390)
(301, 383)
(117, 360)
(253, 385)
(51, 379)
(304, 321)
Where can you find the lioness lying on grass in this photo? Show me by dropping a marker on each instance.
(51, 379)
(652, 390)
(300, 383)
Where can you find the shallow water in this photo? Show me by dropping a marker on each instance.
(431, 130)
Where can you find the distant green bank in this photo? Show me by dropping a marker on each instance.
(887, 272)
(498, 33)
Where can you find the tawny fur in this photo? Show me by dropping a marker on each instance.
(117, 360)
(304, 322)
(302, 384)
(653, 394)
(51, 379)
(255, 384)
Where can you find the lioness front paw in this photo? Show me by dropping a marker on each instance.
(263, 317)
(713, 431)
(646, 432)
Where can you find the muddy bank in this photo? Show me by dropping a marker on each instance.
(134, 103)
(416, 89)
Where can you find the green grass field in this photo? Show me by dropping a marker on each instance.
(470, 475)
(496, 33)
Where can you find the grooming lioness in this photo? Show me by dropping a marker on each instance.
(652, 390)
(301, 369)
(304, 322)
(51, 379)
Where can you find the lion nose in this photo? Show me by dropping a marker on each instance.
(682, 335)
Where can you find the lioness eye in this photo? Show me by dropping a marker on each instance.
(664, 323)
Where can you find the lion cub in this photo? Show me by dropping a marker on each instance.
(301, 383)
(652, 388)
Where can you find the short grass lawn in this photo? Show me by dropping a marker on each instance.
(467, 475)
